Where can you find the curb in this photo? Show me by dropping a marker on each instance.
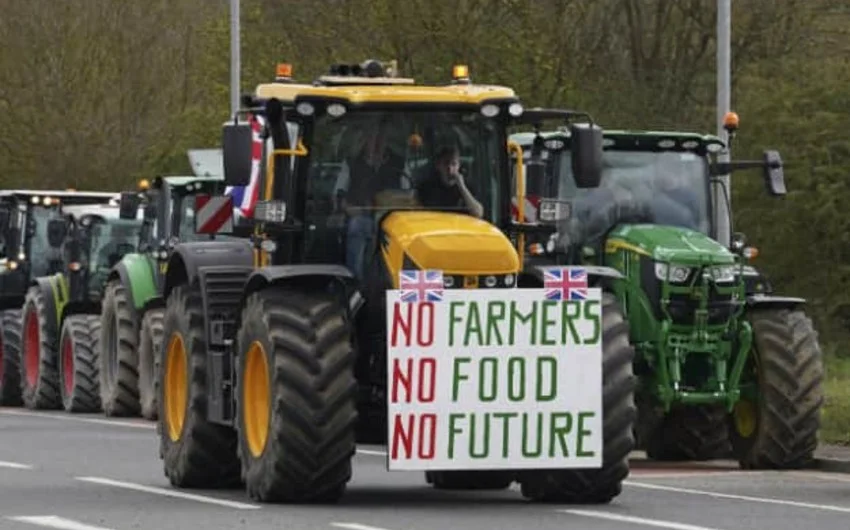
(831, 465)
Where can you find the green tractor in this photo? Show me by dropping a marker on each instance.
(61, 311)
(131, 320)
(726, 366)
(25, 253)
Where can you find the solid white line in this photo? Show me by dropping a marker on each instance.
(14, 465)
(170, 493)
(746, 498)
(357, 526)
(68, 417)
(51, 521)
(657, 523)
(371, 452)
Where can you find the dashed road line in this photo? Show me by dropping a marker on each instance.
(14, 465)
(52, 521)
(68, 417)
(169, 493)
(657, 523)
(735, 497)
(357, 526)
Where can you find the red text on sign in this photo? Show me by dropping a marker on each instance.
(410, 323)
(424, 369)
(410, 428)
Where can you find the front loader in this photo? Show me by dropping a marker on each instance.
(27, 254)
(131, 321)
(61, 313)
(278, 352)
(726, 365)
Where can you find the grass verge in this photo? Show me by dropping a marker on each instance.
(835, 421)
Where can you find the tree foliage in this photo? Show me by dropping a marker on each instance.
(97, 93)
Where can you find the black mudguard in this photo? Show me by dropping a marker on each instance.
(188, 258)
(337, 276)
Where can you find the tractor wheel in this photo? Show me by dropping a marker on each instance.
(78, 363)
(778, 427)
(150, 348)
(40, 372)
(618, 404)
(690, 433)
(470, 480)
(119, 358)
(196, 453)
(296, 395)
(10, 358)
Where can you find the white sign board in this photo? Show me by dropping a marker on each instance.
(494, 378)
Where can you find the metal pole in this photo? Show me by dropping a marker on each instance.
(235, 65)
(724, 30)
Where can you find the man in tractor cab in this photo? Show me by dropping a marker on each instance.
(441, 184)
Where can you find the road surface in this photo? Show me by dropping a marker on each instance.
(87, 472)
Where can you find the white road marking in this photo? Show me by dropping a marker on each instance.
(371, 452)
(657, 523)
(357, 526)
(169, 493)
(52, 521)
(68, 417)
(746, 498)
(14, 465)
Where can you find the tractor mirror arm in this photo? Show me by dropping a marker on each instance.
(725, 168)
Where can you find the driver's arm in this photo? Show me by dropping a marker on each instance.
(472, 205)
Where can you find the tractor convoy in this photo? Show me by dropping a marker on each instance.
(425, 266)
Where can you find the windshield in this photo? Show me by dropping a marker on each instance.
(672, 186)
(110, 240)
(44, 258)
(368, 161)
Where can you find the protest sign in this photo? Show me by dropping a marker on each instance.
(494, 378)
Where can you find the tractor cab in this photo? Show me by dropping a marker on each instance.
(31, 248)
(96, 238)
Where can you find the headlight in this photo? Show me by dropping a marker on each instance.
(677, 273)
(723, 273)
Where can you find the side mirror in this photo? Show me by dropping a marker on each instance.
(56, 230)
(535, 178)
(237, 141)
(150, 211)
(586, 147)
(128, 208)
(774, 174)
(738, 242)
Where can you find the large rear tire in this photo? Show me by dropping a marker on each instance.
(779, 428)
(119, 358)
(296, 397)
(618, 416)
(690, 433)
(196, 453)
(150, 351)
(78, 363)
(10, 358)
(40, 371)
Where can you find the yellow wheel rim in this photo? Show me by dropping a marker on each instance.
(746, 418)
(176, 386)
(256, 399)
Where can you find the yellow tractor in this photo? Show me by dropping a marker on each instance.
(384, 216)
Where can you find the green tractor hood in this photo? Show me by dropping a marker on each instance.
(669, 244)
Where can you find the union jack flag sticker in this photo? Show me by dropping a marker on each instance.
(421, 286)
(565, 283)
